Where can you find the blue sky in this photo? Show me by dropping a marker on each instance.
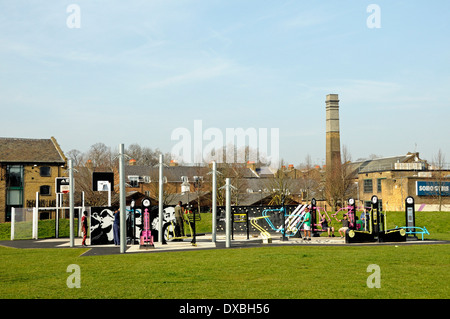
(137, 70)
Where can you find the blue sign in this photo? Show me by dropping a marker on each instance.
(432, 188)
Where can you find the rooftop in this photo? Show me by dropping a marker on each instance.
(389, 163)
(27, 150)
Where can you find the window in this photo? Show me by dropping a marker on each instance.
(45, 171)
(14, 188)
(14, 197)
(379, 185)
(134, 180)
(14, 176)
(44, 190)
(368, 187)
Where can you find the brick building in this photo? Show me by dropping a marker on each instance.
(28, 166)
(393, 179)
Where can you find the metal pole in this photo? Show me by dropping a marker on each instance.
(34, 223)
(56, 216)
(228, 213)
(109, 194)
(160, 199)
(61, 205)
(71, 202)
(35, 217)
(80, 215)
(13, 221)
(214, 202)
(122, 190)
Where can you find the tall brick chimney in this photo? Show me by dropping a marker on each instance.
(333, 139)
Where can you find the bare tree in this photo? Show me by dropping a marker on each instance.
(280, 186)
(310, 179)
(76, 156)
(101, 157)
(339, 181)
(145, 155)
(348, 187)
(438, 176)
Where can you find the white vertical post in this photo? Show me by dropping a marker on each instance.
(228, 213)
(160, 198)
(81, 210)
(37, 201)
(214, 201)
(109, 194)
(34, 224)
(71, 203)
(82, 200)
(35, 217)
(81, 213)
(57, 216)
(13, 222)
(122, 193)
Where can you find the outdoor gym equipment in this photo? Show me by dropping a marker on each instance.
(272, 219)
(350, 212)
(315, 232)
(410, 217)
(264, 233)
(189, 219)
(377, 228)
(415, 230)
(241, 217)
(292, 223)
(146, 235)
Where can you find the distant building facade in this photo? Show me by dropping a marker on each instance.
(28, 166)
(393, 179)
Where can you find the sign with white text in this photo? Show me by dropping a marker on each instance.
(432, 188)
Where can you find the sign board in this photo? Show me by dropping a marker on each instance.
(102, 181)
(410, 212)
(432, 188)
(62, 185)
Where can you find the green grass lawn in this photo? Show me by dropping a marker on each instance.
(262, 273)
(407, 271)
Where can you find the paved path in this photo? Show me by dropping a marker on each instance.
(203, 242)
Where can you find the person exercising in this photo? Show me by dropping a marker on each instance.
(307, 225)
(84, 227)
(179, 228)
(345, 225)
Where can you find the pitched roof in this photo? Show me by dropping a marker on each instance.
(383, 164)
(27, 150)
